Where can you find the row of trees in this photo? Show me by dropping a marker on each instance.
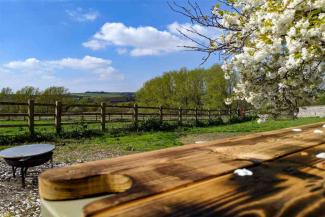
(203, 88)
(48, 96)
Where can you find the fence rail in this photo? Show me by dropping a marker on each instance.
(104, 114)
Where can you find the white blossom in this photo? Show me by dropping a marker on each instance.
(227, 76)
(228, 101)
(277, 48)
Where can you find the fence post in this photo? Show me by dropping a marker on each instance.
(196, 116)
(102, 115)
(135, 116)
(161, 118)
(58, 114)
(180, 118)
(31, 117)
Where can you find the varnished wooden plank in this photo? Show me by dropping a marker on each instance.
(145, 174)
(288, 187)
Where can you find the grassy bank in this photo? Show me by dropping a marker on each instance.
(85, 147)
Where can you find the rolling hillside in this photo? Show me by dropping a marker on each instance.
(113, 97)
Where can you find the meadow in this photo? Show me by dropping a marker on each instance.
(83, 143)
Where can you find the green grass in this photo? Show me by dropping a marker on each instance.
(148, 141)
(253, 126)
(140, 141)
(123, 142)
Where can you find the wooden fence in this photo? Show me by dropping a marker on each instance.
(103, 114)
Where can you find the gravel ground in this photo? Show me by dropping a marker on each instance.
(16, 201)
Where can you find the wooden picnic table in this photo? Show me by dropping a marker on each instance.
(199, 180)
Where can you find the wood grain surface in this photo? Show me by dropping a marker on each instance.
(168, 175)
(287, 187)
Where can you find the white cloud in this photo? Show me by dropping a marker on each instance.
(83, 15)
(146, 40)
(86, 63)
(121, 51)
(99, 67)
(77, 74)
(28, 64)
(95, 44)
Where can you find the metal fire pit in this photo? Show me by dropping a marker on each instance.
(27, 156)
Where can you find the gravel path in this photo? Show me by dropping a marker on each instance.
(15, 200)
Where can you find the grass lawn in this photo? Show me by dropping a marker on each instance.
(120, 143)
(252, 126)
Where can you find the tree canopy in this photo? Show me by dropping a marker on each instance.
(277, 47)
(205, 88)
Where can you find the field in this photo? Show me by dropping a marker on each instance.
(86, 145)
(80, 136)
(104, 94)
(108, 96)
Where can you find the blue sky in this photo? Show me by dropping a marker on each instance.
(108, 45)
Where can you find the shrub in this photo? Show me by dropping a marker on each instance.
(215, 122)
(154, 124)
(236, 119)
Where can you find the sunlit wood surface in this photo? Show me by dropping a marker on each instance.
(198, 179)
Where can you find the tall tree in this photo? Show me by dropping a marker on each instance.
(216, 88)
(27, 92)
(24, 94)
(187, 88)
(6, 91)
(277, 46)
(6, 94)
(52, 94)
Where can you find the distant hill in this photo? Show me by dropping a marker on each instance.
(104, 94)
(113, 97)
